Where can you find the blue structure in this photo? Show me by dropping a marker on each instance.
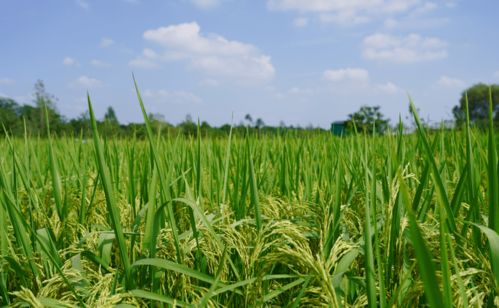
(339, 128)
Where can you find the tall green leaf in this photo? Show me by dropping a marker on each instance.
(493, 188)
(112, 206)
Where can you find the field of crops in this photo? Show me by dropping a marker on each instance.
(396, 220)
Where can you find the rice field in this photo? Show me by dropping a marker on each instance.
(400, 220)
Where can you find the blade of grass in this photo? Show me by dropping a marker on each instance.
(175, 267)
(226, 167)
(493, 239)
(368, 234)
(282, 289)
(54, 171)
(423, 257)
(114, 212)
(493, 189)
(161, 173)
(441, 192)
(158, 298)
(254, 190)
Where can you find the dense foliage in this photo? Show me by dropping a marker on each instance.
(478, 97)
(368, 119)
(395, 220)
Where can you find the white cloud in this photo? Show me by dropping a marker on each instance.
(187, 37)
(106, 42)
(99, 63)
(300, 22)
(6, 81)
(420, 18)
(426, 8)
(351, 12)
(211, 54)
(496, 74)
(353, 79)
(86, 82)
(388, 88)
(174, 97)
(83, 4)
(347, 74)
(148, 60)
(68, 61)
(449, 82)
(205, 4)
(415, 23)
(407, 49)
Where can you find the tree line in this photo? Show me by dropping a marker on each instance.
(19, 119)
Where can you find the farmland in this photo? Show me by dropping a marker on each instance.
(394, 220)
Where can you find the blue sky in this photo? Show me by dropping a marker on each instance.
(297, 61)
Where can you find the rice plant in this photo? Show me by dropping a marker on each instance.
(379, 221)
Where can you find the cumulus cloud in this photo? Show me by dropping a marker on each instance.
(86, 82)
(388, 88)
(426, 8)
(68, 61)
(347, 74)
(106, 42)
(174, 97)
(418, 19)
(449, 82)
(404, 49)
(351, 12)
(211, 54)
(351, 79)
(148, 60)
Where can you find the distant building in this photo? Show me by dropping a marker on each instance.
(339, 128)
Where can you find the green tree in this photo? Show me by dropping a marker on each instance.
(35, 116)
(478, 104)
(366, 119)
(249, 118)
(259, 123)
(110, 116)
(111, 123)
(81, 124)
(9, 115)
(188, 127)
(159, 123)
